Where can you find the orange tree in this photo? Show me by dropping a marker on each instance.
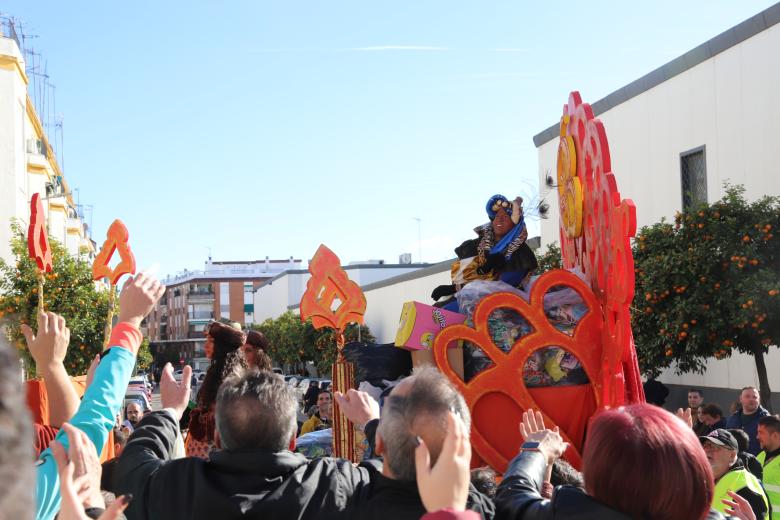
(709, 285)
(68, 290)
(550, 259)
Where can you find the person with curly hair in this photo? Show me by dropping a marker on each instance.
(256, 351)
(223, 347)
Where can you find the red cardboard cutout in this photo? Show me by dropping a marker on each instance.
(327, 284)
(116, 239)
(37, 238)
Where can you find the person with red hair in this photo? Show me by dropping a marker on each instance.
(639, 462)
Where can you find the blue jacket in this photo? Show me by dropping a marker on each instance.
(95, 417)
(751, 428)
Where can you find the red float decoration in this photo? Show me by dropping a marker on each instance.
(37, 238)
(328, 285)
(116, 239)
(595, 238)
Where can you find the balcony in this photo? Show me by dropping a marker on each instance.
(200, 295)
(201, 315)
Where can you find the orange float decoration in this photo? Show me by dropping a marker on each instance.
(596, 226)
(38, 244)
(330, 285)
(116, 240)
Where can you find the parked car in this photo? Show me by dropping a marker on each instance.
(138, 387)
(278, 371)
(141, 379)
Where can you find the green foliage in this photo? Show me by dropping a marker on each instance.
(68, 290)
(550, 259)
(293, 341)
(144, 359)
(708, 285)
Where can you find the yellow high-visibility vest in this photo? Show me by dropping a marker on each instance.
(734, 481)
(771, 481)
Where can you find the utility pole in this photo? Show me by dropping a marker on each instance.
(419, 238)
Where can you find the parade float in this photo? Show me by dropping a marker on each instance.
(560, 343)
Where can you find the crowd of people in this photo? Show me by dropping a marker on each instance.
(238, 458)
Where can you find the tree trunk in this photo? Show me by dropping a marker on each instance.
(763, 380)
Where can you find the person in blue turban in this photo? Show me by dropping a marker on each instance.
(499, 252)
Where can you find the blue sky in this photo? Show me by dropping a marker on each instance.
(267, 128)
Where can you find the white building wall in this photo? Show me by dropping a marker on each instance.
(277, 296)
(383, 305)
(726, 103)
(24, 171)
(13, 164)
(271, 299)
(366, 276)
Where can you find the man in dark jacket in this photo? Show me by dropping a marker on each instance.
(416, 408)
(310, 397)
(252, 476)
(747, 418)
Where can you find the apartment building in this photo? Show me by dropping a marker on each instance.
(28, 163)
(222, 290)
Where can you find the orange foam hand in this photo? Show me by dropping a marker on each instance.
(327, 284)
(37, 238)
(116, 239)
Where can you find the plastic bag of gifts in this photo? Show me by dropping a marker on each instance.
(550, 366)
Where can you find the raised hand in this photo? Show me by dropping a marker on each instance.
(686, 416)
(172, 394)
(445, 484)
(49, 346)
(86, 465)
(138, 297)
(551, 444)
(358, 407)
(738, 507)
(76, 491)
(532, 422)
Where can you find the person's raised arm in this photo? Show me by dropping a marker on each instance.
(48, 348)
(362, 410)
(153, 441)
(103, 399)
(445, 485)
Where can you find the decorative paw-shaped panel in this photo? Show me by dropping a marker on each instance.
(498, 396)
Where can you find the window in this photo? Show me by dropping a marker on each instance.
(693, 177)
(224, 300)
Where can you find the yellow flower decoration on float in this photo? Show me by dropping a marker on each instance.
(569, 184)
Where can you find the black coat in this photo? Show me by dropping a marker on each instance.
(518, 496)
(233, 484)
(390, 499)
(523, 259)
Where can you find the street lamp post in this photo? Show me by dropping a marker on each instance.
(419, 238)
